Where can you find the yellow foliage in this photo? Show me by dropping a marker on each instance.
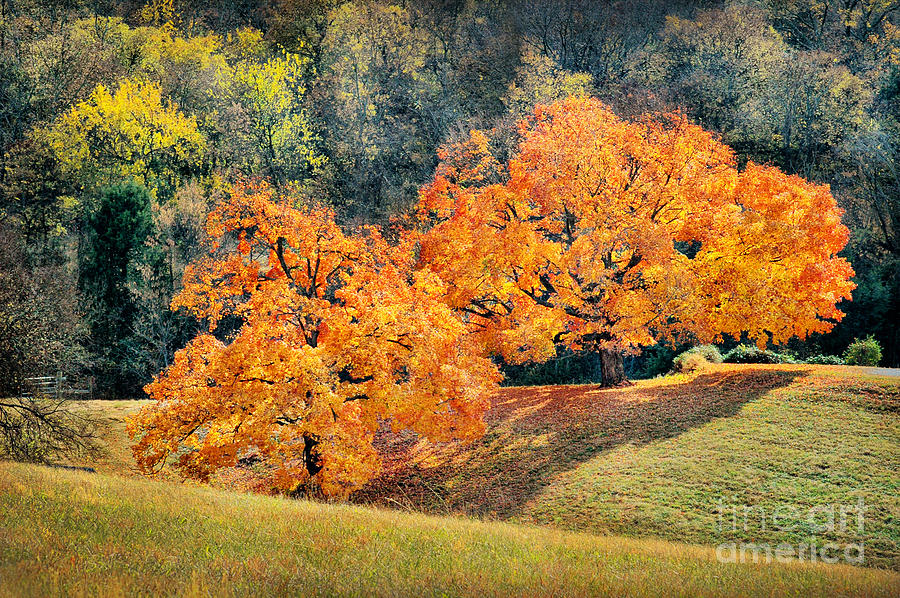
(132, 133)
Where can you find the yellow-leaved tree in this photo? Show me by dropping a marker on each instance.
(130, 133)
(269, 132)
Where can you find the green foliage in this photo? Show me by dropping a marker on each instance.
(751, 354)
(824, 360)
(655, 360)
(116, 233)
(865, 351)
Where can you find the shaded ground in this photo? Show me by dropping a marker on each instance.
(657, 459)
(536, 433)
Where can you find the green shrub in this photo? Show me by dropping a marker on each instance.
(695, 358)
(750, 354)
(709, 352)
(824, 360)
(863, 352)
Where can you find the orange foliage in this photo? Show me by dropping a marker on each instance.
(610, 234)
(334, 334)
(599, 233)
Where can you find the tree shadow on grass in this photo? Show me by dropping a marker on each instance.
(535, 434)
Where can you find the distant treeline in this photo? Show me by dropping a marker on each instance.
(121, 123)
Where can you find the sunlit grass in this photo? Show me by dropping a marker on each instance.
(649, 461)
(64, 532)
(657, 458)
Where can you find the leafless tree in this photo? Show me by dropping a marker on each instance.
(42, 430)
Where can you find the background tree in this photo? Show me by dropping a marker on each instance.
(604, 39)
(41, 330)
(717, 66)
(540, 81)
(115, 244)
(133, 132)
(383, 134)
(33, 197)
(266, 126)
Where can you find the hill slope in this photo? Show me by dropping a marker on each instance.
(72, 533)
(658, 459)
(666, 458)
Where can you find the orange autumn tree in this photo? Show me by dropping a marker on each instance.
(607, 235)
(330, 334)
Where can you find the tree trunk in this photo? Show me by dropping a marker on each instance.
(612, 368)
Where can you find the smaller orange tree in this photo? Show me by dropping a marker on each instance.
(608, 235)
(331, 334)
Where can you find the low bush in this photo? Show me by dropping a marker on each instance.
(750, 354)
(824, 360)
(695, 358)
(865, 351)
(689, 362)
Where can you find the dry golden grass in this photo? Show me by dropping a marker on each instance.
(72, 533)
(645, 461)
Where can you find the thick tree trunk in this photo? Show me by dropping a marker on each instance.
(312, 461)
(612, 368)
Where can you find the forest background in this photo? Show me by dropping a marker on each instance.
(123, 123)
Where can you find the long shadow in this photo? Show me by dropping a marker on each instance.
(535, 434)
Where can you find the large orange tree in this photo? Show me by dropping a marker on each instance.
(606, 234)
(598, 234)
(316, 336)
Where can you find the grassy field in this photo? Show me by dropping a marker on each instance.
(574, 490)
(658, 458)
(73, 533)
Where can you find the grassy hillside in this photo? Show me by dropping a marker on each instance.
(656, 459)
(72, 533)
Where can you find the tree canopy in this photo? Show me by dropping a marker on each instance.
(599, 234)
(335, 333)
(608, 234)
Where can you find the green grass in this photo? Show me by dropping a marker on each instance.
(72, 533)
(656, 459)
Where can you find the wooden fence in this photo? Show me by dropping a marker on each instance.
(55, 386)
